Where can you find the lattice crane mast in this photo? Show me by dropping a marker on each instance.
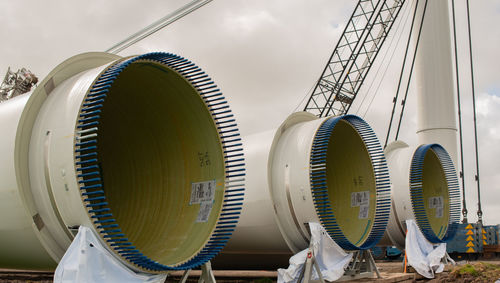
(353, 57)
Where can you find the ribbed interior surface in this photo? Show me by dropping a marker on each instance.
(350, 182)
(435, 194)
(156, 138)
(159, 162)
(350, 176)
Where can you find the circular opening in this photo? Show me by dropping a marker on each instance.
(435, 194)
(159, 157)
(351, 183)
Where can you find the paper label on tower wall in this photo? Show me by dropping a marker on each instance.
(436, 202)
(202, 192)
(360, 198)
(204, 213)
(439, 212)
(363, 211)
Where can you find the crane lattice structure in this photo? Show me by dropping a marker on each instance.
(353, 57)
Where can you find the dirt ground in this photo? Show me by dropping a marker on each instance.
(463, 271)
(477, 271)
(16, 276)
(481, 271)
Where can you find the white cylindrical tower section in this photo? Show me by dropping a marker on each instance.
(256, 242)
(143, 150)
(425, 188)
(19, 244)
(435, 81)
(330, 170)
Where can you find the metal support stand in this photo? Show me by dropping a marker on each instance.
(207, 275)
(362, 265)
(307, 272)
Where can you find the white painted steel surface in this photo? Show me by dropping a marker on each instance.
(289, 164)
(436, 113)
(399, 155)
(52, 180)
(436, 102)
(257, 231)
(425, 189)
(30, 237)
(280, 201)
(18, 238)
(266, 225)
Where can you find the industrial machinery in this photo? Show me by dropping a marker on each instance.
(16, 83)
(475, 241)
(143, 149)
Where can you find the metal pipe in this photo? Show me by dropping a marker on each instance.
(133, 148)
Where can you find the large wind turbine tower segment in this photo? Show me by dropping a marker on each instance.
(144, 150)
(436, 104)
(425, 188)
(424, 177)
(330, 170)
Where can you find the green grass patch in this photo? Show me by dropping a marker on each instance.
(475, 272)
(467, 269)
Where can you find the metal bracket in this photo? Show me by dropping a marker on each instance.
(362, 265)
(207, 274)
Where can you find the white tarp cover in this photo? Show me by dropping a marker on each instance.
(86, 260)
(421, 254)
(331, 259)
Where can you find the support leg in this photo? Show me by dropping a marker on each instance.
(373, 266)
(308, 268)
(185, 276)
(207, 275)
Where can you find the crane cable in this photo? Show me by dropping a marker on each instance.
(411, 70)
(479, 210)
(158, 25)
(401, 75)
(400, 25)
(462, 172)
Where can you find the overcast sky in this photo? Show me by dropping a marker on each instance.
(266, 56)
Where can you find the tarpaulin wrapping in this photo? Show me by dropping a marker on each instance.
(331, 258)
(86, 260)
(422, 255)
